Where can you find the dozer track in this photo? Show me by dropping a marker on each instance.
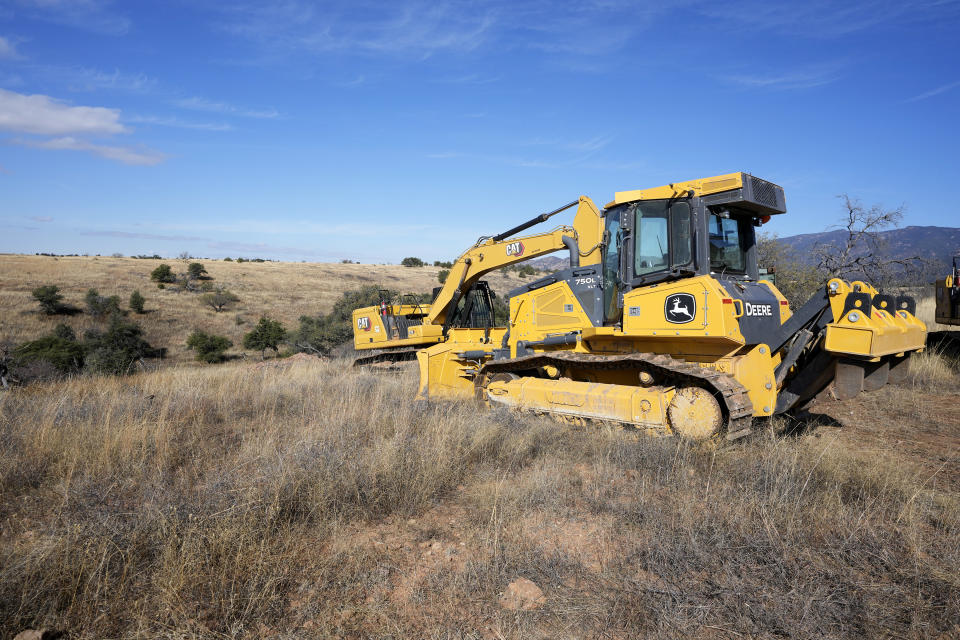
(667, 371)
(388, 355)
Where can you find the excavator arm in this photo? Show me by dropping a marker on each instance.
(503, 250)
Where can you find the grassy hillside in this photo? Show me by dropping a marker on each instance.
(299, 498)
(282, 290)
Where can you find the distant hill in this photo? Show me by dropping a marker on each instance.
(930, 243)
(936, 244)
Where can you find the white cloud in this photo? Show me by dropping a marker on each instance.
(41, 218)
(83, 79)
(180, 124)
(798, 79)
(935, 92)
(126, 155)
(44, 115)
(202, 104)
(7, 49)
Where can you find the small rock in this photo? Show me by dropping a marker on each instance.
(436, 546)
(522, 594)
(33, 634)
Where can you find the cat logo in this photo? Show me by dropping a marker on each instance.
(515, 249)
(680, 308)
(363, 323)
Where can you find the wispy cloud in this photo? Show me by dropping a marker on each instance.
(89, 15)
(824, 18)
(469, 79)
(413, 28)
(8, 51)
(180, 124)
(787, 80)
(141, 236)
(125, 155)
(41, 218)
(210, 106)
(85, 79)
(934, 92)
(44, 115)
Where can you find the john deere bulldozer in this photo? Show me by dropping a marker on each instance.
(660, 322)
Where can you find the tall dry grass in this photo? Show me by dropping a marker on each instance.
(243, 501)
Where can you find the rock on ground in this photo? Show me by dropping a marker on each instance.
(522, 594)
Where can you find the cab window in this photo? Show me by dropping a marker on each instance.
(727, 251)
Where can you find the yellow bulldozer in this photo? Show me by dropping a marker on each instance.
(661, 321)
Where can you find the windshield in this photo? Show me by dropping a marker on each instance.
(727, 251)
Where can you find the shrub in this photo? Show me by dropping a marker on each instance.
(163, 273)
(60, 350)
(49, 297)
(137, 301)
(99, 306)
(209, 347)
(219, 300)
(195, 271)
(268, 334)
(442, 275)
(228, 259)
(115, 350)
(441, 263)
(412, 262)
(526, 270)
(321, 334)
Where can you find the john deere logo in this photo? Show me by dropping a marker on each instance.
(363, 323)
(680, 308)
(515, 248)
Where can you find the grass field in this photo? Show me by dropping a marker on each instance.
(300, 498)
(283, 291)
(288, 499)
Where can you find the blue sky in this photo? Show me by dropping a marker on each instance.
(371, 131)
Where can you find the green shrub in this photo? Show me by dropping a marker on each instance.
(163, 273)
(209, 347)
(195, 271)
(442, 275)
(412, 262)
(137, 301)
(219, 300)
(100, 306)
(117, 349)
(228, 259)
(268, 334)
(49, 297)
(61, 350)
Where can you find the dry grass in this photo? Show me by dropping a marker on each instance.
(282, 290)
(296, 500)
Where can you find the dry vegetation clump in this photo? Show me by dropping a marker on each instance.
(245, 501)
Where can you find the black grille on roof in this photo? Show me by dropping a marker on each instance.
(763, 192)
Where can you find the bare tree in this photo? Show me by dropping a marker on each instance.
(863, 252)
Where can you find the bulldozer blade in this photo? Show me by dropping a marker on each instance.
(875, 375)
(848, 379)
(899, 369)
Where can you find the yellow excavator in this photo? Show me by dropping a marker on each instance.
(660, 322)
(394, 331)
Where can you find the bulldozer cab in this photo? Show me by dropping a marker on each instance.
(655, 241)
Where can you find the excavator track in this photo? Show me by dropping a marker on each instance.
(737, 406)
